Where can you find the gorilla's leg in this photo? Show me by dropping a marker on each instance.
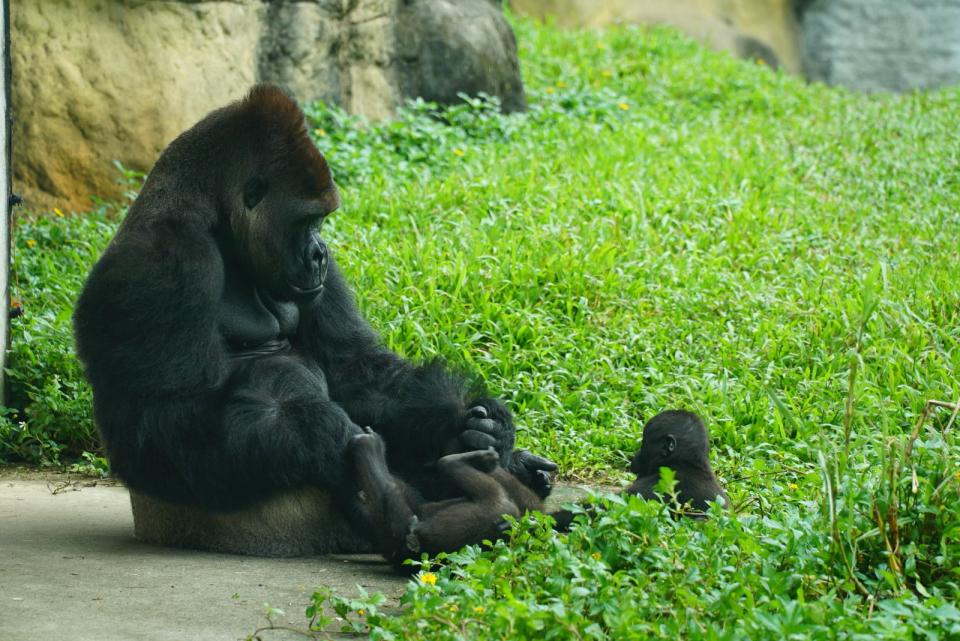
(279, 429)
(386, 502)
(270, 429)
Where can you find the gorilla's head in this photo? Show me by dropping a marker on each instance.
(278, 197)
(670, 439)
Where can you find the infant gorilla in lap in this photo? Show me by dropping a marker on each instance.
(408, 525)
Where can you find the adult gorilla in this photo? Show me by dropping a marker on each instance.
(227, 359)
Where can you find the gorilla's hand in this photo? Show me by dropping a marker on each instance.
(533, 471)
(486, 424)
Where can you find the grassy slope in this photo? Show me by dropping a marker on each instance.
(706, 248)
(667, 227)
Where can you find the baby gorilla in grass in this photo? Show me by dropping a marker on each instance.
(407, 525)
(678, 440)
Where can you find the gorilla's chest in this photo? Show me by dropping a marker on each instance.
(250, 322)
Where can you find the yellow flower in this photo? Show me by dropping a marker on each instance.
(453, 607)
(623, 105)
(428, 578)
(562, 84)
(606, 73)
(596, 556)
(58, 212)
(600, 45)
(793, 486)
(550, 90)
(31, 242)
(360, 612)
(761, 61)
(458, 153)
(320, 132)
(479, 609)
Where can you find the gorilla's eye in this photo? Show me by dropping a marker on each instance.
(253, 192)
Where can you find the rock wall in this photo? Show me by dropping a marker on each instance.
(881, 46)
(763, 29)
(98, 81)
(101, 80)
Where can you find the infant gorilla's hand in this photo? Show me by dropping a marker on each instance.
(486, 424)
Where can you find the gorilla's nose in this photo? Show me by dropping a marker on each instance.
(317, 259)
(316, 254)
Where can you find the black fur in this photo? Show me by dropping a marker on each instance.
(405, 525)
(227, 358)
(678, 440)
(675, 439)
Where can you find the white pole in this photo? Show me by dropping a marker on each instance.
(4, 188)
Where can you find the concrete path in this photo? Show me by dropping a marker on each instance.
(71, 570)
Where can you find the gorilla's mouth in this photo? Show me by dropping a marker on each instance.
(314, 262)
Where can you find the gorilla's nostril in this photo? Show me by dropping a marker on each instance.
(316, 254)
(317, 259)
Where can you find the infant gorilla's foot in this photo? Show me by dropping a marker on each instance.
(486, 460)
(368, 445)
(533, 471)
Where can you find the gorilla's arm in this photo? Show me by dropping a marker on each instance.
(181, 420)
(145, 322)
(422, 412)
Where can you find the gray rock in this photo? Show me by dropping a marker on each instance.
(881, 45)
(453, 46)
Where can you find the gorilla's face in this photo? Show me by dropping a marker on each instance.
(278, 234)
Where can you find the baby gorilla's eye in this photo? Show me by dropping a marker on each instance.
(253, 191)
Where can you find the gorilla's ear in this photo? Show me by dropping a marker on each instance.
(669, 445)
(253, 191)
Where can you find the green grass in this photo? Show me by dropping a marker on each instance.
(666, 227)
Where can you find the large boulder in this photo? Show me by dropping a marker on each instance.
(757, 29)
(452, 46)
(101, 80)
(881, 46)
(97, 80)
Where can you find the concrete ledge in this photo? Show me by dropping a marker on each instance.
(70, 568)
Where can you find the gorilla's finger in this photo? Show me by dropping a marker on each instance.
(474, 440)
(478, 411)
(533, 462)
(542, 484)
(487, 425)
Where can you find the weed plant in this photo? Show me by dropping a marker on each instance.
(664, 227)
